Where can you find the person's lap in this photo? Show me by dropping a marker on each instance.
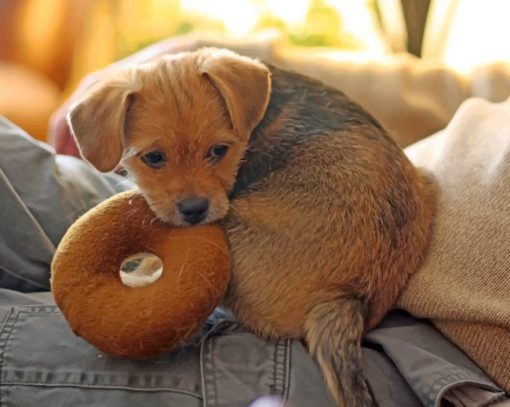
(42, 363)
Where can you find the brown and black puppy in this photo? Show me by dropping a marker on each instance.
(325, 217)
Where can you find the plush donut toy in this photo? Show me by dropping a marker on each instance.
(137, 321)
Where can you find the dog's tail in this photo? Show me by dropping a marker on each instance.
(333, 333)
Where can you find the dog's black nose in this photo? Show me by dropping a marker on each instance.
(193, 210)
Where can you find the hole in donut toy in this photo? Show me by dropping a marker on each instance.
(141, 269)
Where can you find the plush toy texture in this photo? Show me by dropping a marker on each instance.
(141, 321)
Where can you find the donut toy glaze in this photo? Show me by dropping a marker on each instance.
(137, 321)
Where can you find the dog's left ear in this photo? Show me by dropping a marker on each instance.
(98, 120)
(244, 84)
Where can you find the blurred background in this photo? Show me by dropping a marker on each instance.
(47, 46)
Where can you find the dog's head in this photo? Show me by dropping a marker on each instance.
(179, 125)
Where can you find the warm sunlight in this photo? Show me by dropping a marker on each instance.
(334, 23)
(292, 12)
(239, 17)
(472, 33)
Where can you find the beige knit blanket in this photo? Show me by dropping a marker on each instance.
(464, 284)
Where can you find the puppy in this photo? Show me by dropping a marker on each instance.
(325, 217)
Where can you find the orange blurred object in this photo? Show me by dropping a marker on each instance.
(27, 98)
(39, 41)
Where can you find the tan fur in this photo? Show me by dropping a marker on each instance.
(99, 117)
(322, 246)
(246, 95)
(184, 114)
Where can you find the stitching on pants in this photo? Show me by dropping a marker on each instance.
(281, 367)
(5, 335)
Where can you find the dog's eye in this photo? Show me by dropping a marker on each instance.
(154, 159)
(217, 152)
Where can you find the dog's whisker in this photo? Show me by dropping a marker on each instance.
(211, 242)
(131, 212)
(181, 270)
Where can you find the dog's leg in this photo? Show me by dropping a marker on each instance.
(333, 332)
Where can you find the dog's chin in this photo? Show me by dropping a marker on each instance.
(176, 220)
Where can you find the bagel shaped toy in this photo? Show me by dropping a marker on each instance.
(143, 321)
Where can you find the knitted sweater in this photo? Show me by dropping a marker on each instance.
(464, 284)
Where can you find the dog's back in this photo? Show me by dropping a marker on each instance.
(328, 220)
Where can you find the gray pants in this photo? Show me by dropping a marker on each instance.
(42, 363)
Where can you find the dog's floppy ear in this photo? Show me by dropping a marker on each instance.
(98, 120)
(244, 84)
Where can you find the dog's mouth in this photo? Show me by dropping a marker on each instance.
(209, 218)
(202, 222)
(175, 217)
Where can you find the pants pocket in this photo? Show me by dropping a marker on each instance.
(43, 363)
